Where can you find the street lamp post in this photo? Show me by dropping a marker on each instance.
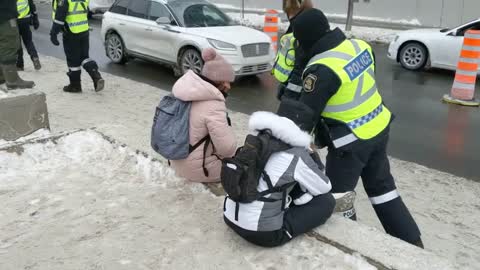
(348, 26)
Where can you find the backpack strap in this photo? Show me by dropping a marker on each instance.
(205, 148)
(195, 146)
(237, 209)
(271, 189)
(207, 141)
(267, 179)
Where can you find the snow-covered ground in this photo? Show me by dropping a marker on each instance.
(85, 203)
(446, 207)
(370, 34)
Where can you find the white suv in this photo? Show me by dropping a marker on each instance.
(174, 32)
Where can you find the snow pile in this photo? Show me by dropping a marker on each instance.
(413, 22)
(446, 207)
(370, 34)
(85, 203)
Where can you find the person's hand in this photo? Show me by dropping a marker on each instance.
(54, 39)
(35, 21)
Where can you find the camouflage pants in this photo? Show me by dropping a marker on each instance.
(9, 42)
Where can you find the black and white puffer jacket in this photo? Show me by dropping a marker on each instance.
(293, 165)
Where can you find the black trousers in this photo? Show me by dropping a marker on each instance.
(25, 36)
(297, 220)
(76, 47)
(369, 160)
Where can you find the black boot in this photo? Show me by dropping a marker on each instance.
(36, 63)
(75, 85)
(419, 243)
(98, 82)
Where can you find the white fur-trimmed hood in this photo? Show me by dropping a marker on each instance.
(282, 128)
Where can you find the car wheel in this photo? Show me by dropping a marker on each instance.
(115, 48)
(191, 60)
(413, 56)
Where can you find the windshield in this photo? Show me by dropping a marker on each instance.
(199, 14)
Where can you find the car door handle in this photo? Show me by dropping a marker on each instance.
(122, 24)
(148, 29)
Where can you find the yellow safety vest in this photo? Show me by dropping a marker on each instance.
(23, 9)
(357, 103)
(285, 59)
(77, 15)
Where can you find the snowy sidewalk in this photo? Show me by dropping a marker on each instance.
(446, 207)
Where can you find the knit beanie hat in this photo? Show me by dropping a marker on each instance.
(299, 113)
(216, 68)
(309, 26)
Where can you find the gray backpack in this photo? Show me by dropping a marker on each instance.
(170, 130)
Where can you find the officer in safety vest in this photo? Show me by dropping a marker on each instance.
(27, 15)
(71, 18)
(9, 43)
(350, 118)
(286, 69)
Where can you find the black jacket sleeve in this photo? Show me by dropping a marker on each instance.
(319, 83)
(33, 8)
(61, 13)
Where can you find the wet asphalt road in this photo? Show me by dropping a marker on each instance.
(425, 131)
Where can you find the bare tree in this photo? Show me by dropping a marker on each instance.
(348, 26)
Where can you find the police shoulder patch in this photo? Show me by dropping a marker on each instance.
(61, 3)
(309, 83)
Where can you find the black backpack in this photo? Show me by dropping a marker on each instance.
(240, 174)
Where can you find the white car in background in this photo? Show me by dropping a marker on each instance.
(99, 6)
(174, 32)
(439, 48)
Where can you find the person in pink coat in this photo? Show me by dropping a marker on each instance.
(208, 116)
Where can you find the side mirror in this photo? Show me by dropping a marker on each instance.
(163, 20)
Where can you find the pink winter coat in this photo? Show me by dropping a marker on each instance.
(208, 115)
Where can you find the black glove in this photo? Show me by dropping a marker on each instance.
(56, 28)
(54, 39)
(322, 135)
(35, 22)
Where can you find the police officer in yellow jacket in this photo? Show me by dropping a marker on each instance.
(71, 18)
(27, 15)
(350, 118)
(287, 69)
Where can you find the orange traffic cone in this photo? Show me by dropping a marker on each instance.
(463, 90)
(271, 26)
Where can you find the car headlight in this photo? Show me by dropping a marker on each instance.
(220, 45)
